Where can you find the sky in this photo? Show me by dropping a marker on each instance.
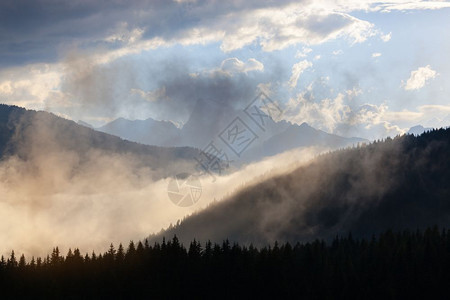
(354, 68)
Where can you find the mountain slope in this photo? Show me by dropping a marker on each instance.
(401, 183)
(27, 134)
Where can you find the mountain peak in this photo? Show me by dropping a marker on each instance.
(85, 124)
(418, 130)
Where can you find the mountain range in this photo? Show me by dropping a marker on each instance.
(209, 118)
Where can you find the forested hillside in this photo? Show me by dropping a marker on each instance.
(400, 183)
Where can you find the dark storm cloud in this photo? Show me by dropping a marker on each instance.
(113, 90)
(32, 31)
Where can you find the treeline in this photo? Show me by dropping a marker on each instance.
(408, 141)
(390, 266)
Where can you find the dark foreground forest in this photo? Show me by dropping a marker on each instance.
(390, 266)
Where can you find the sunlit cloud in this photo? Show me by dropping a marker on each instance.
(297, 70)
(233, 65)
(419, 78)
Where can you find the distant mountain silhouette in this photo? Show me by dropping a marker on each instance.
(80, 122)
(396, 184)
(24, 131)
(150, 132)
(209, 118)
(418, 130)
(295, 136)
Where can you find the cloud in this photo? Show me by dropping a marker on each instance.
(434, 108)
(6, 88)
(325, 114)
(139, 25)
(430, 115)
(125, 35)
(419, 78)
(31, 86)
(151, 96)
(234, 65)
(297, 70)
(353, 93)
(295, 24)
(91, 82)
(341, 115)
(303, 53)
(386, 37)
(412, 5)
(164, 88)
(41, 31)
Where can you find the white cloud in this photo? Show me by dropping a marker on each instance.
(430, 115)
(31, 86)
(303, 53)
(325, 114)
(151, 96)
(124, 35)
(419, 78)
(276, 29)
(279, 26)
(234, 65)
(145, 25)
(353, 93)
(272, 26)
(434, 108)
(412, 5)
(340, 115)
(386, 37)
(297, 70)
(6, 87)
